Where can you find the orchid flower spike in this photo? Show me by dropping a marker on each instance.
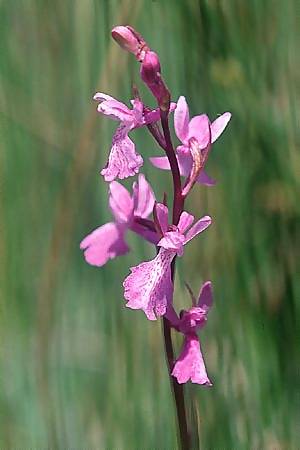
(149, 286)
(130, 212)
(197, 133)
(190, 364)
(123, 160)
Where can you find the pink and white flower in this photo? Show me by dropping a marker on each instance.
(149, 286)
(130, 212)
(198, 130)
(123, 160)
(190, 364)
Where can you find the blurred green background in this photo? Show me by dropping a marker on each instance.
(78, 370)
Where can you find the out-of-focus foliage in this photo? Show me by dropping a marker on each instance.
(78, 370)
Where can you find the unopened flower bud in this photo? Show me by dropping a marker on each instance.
(150, 70)
(130, 40)
(150, 74)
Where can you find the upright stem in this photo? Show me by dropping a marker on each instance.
(178, 202)
(177, 389)
(178, 199)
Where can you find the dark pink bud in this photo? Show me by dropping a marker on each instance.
(150, 70)
(150, 74)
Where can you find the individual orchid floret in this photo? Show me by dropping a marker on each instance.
(123, 160)
(196, 135)
(190, 364)
(149, 286)
(130, 212)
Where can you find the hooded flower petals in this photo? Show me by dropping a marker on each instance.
(143, 197)
(120, 202)
(103, 244)
(219, 125)
(198, 227)
(185, 221)
(123, 161)
(199, 128)
(205, 298)
(181, 119)
(149, 286)
(190, 364)
(173, 240)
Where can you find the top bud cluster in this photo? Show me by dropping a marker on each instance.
(149, 286)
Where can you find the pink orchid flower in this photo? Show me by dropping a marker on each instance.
(149, 286)
(108, 241)
(190, 364)
(198, 130)
(123, 160)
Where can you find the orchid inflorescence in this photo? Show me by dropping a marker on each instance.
(150, 284)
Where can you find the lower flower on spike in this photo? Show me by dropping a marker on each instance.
(190, 364)
(149, 286)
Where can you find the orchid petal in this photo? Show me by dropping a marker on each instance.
(205, 298)
(198, 227)
(109, 106)
(199, 128)
(181, 119)
(205, 179)
(161, 162)
(137, 111)
(123, 161)
(104, 243)
(120, 202)
(149, 286)
(185, 221)
(162, 214)
(143, 197)
(185, 163)
(219, 125)
(190, 364)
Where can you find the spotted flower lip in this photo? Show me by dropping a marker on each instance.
(149, 286)
(190, 363)
(199, 128)
(108, 241)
